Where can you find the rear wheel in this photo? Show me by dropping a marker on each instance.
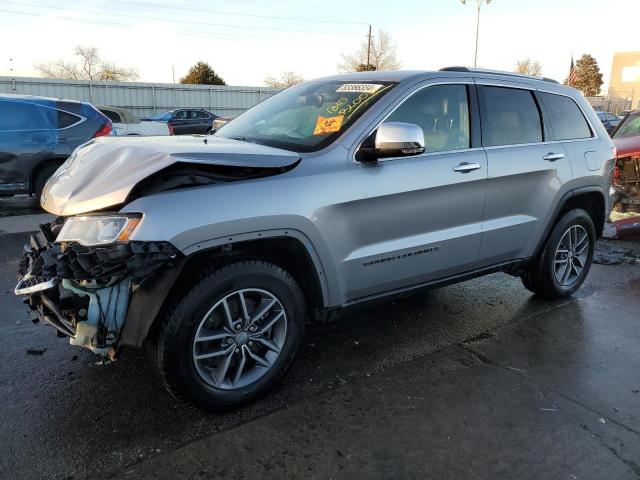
(232, 336)
(566, 258)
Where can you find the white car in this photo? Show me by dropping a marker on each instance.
(126, 123)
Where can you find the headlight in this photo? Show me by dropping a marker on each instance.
(98, 230)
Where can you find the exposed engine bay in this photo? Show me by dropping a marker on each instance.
(84, 291)
(626, 181)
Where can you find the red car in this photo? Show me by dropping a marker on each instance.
(626, 176)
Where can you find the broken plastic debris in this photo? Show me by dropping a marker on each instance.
(35, 351)
(602, 420)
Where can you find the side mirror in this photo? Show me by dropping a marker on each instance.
(392, 139)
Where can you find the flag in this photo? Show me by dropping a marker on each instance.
(571, 79)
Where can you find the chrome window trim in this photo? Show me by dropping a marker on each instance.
(81, 118)
(358, 143)
(478, 82)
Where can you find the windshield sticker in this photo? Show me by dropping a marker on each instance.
(336, 106)
(328, 124)
(359, 88)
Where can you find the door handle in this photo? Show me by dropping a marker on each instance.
(466, 167)
(552, 157)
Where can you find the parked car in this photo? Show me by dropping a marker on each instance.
(626, 178)
(609, 120)
(333, 193)
(37, 134)
(126, 123)
(186, 120)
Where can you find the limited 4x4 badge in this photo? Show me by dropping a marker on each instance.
(375, 261)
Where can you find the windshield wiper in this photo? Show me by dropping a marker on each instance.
(241, 138)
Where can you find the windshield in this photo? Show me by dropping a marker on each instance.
(306, 117)
(630, 127)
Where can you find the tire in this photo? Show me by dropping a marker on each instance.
(201, 313)
(41, 179)
(546, 275)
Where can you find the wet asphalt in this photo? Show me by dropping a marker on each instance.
(475, 380)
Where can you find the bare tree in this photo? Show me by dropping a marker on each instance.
(88, 67)
(382, 56)
(285, 80)
(529, 67)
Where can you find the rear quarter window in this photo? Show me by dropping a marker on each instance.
(566, 118)
(66, 119)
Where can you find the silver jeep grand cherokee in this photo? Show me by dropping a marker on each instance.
(213, 250)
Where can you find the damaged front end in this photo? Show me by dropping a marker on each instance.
(626, 181)
(85, 291)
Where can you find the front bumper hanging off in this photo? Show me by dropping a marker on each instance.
(86, 292)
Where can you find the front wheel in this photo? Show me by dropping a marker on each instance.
(232, 337)
(566, 257)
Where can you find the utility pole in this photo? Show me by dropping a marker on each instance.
(369, 47)
(479, 4)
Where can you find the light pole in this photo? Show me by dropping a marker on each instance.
(479, 4)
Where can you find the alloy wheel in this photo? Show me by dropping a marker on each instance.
(239, 339)
(571, 255)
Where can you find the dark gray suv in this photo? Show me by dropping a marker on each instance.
(214, 250)
(37, 134)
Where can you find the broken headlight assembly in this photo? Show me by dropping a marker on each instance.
(80, 273)
(93, 230)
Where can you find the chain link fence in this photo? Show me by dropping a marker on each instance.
(613, 104)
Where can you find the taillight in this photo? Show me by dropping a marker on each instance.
(104, 130)
(170, 128)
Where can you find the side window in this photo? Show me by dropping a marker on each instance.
(181, 115)
(111, 115)
(510, 116)
(442, 111)
(66, 119)
(25, 116)
(567, 121)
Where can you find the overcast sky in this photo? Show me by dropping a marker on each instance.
(244, 42)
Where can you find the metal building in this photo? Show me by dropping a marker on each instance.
(142, 98)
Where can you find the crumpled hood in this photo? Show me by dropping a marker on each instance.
(102, 172)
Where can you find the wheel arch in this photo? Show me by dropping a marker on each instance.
(590, 198)
(40, 166)
(287, 251)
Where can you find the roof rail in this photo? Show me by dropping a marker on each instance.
(497, 72)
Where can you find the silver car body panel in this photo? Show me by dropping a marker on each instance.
(369, 228)
(101, 173)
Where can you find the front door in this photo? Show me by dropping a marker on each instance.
(419, 218)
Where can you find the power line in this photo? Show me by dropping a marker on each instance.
(128, 27)
(252, 15)
(189, 22)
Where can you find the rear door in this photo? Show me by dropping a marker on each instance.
(28, 135)
(179, 121)
(571, 129)
(419, 218)
(525, 173)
